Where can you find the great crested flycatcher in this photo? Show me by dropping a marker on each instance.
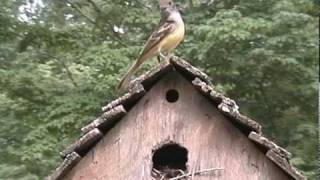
(169, 33)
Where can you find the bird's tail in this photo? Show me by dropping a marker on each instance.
(125, 79)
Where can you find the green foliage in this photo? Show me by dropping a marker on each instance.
(61, 61)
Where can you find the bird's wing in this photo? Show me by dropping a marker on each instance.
(162, 31)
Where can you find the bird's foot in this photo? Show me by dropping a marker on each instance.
(166, 58)
(170, 56)
(162, 55)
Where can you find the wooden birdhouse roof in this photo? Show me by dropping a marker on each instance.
(115, 110)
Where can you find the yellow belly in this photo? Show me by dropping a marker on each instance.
(172, 40)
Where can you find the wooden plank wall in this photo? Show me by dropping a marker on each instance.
(125, 153)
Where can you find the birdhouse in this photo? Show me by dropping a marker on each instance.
(173, 124)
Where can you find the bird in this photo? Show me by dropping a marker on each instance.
(167, 36)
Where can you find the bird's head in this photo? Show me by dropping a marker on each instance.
(170, 12)
(167, 5)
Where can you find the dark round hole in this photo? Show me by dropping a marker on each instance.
(172, 95)
(170, 159)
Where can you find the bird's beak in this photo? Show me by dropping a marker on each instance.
(163, 8)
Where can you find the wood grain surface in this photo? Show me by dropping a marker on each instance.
(212, 141)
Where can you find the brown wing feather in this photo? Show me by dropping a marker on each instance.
(157, 36)
(153, 40)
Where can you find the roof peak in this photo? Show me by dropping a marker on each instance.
(113, 111)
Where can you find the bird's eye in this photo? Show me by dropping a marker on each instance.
(170, 3)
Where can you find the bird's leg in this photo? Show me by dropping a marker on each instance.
(159, 59)
(167, 57)
(163, 56)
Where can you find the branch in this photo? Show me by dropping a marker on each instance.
(266, 102)
(212, 3)
(143, 4)
(95, 6)
(113, 36)
(196, 173)
(80, 12)
(69, 74)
